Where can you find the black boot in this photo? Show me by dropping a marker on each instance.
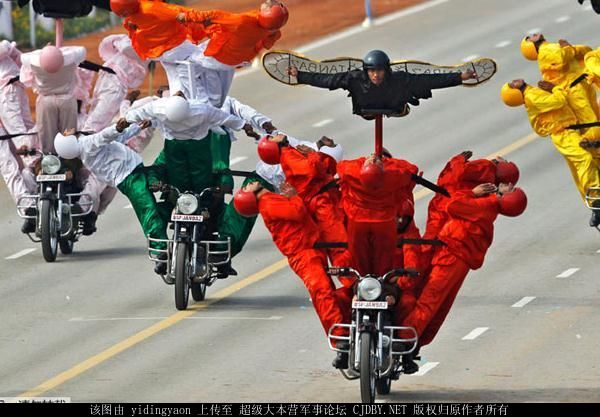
(89, 224)
(341, 359)
(161, 267)
(225, 270)
(595, 219)
(29, 224)
(409, 366)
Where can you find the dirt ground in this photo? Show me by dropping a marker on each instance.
(309, 20)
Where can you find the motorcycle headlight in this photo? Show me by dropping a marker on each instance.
(50, 164)
(369, 289)
(187, 204)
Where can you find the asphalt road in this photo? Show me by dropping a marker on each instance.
(99, 326)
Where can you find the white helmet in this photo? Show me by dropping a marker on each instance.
(177, 109)
(336, 152)
(67, 147)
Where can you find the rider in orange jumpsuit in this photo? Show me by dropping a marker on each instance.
(235, 38)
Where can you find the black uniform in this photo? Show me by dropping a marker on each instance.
(397, 89)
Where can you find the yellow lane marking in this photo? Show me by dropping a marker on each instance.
(150, 331)
(226, 292)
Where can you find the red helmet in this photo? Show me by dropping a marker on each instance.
(371, 176)
(513, 204)
(269, 151)
(274, 17)
(479, 171)
(245, 203)
(124, 8)
(507, 172)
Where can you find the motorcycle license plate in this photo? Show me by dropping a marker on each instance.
(370, 305)
(55, 177)
(186, 218)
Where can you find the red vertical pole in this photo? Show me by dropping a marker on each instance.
(59, 33)
(379, 135)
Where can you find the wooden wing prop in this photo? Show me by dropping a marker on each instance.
(276, 64)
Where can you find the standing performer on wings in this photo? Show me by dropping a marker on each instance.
(377, 87)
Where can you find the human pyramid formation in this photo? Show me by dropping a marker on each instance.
(305, 191)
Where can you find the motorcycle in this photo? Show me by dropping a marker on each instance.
(195, 251)
(592, 201)
(57, 208)
(373, 344)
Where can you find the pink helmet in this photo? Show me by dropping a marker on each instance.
(51, 59)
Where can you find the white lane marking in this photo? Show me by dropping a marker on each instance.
(475, 333)
(502, 44)
(563, 19)
(237, 160)
(20, 253)
(81, 319)
(470, 58)
(534, 30)
(578, 336)
(128, 206)
(423, 369)
(322, 123)
(567, 273)
(598, 251)
(523, 301)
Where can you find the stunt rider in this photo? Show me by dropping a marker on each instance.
(550, 114)
(117, 165)
(377, 87)
(467, 235)
(295, 233)
(371, 188)
(310, 170)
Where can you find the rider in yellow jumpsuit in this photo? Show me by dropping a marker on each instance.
(550, 114)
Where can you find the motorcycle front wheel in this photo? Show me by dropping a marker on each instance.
(368, 360)
(49, 231)
(182, 270)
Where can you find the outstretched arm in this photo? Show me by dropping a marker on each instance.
(330, 81)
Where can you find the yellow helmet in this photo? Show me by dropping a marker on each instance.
(528, 49)
(512, 97)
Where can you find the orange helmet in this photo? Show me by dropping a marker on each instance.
(513, 204)
(512, 97)
(124, 8)
(528, 49)
(245, 203)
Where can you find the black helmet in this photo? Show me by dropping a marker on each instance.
(376, 59)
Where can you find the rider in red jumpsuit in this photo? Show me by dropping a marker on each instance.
(371, 210)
